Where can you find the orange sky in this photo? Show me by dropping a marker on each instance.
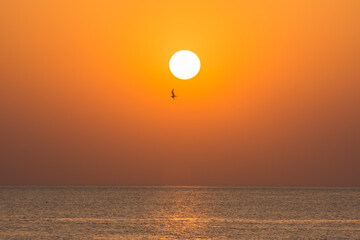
(85, 92)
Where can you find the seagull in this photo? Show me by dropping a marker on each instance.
(173, 94)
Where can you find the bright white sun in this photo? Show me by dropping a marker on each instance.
(184, 64)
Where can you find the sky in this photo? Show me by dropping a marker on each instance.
(85, 93)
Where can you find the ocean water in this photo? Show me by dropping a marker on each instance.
(88, 212)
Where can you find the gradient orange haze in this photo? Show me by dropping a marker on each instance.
(85, 92)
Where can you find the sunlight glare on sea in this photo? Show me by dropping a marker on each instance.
(89, 212)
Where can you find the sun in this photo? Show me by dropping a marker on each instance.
(184, 64)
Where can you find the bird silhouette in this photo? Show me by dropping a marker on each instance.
(173, 94)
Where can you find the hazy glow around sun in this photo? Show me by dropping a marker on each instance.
(184, 64)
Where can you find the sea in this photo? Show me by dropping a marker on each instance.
(175, 212)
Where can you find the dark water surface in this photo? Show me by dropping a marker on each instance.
(88, 212)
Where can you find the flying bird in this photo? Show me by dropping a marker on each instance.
(173, 94)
